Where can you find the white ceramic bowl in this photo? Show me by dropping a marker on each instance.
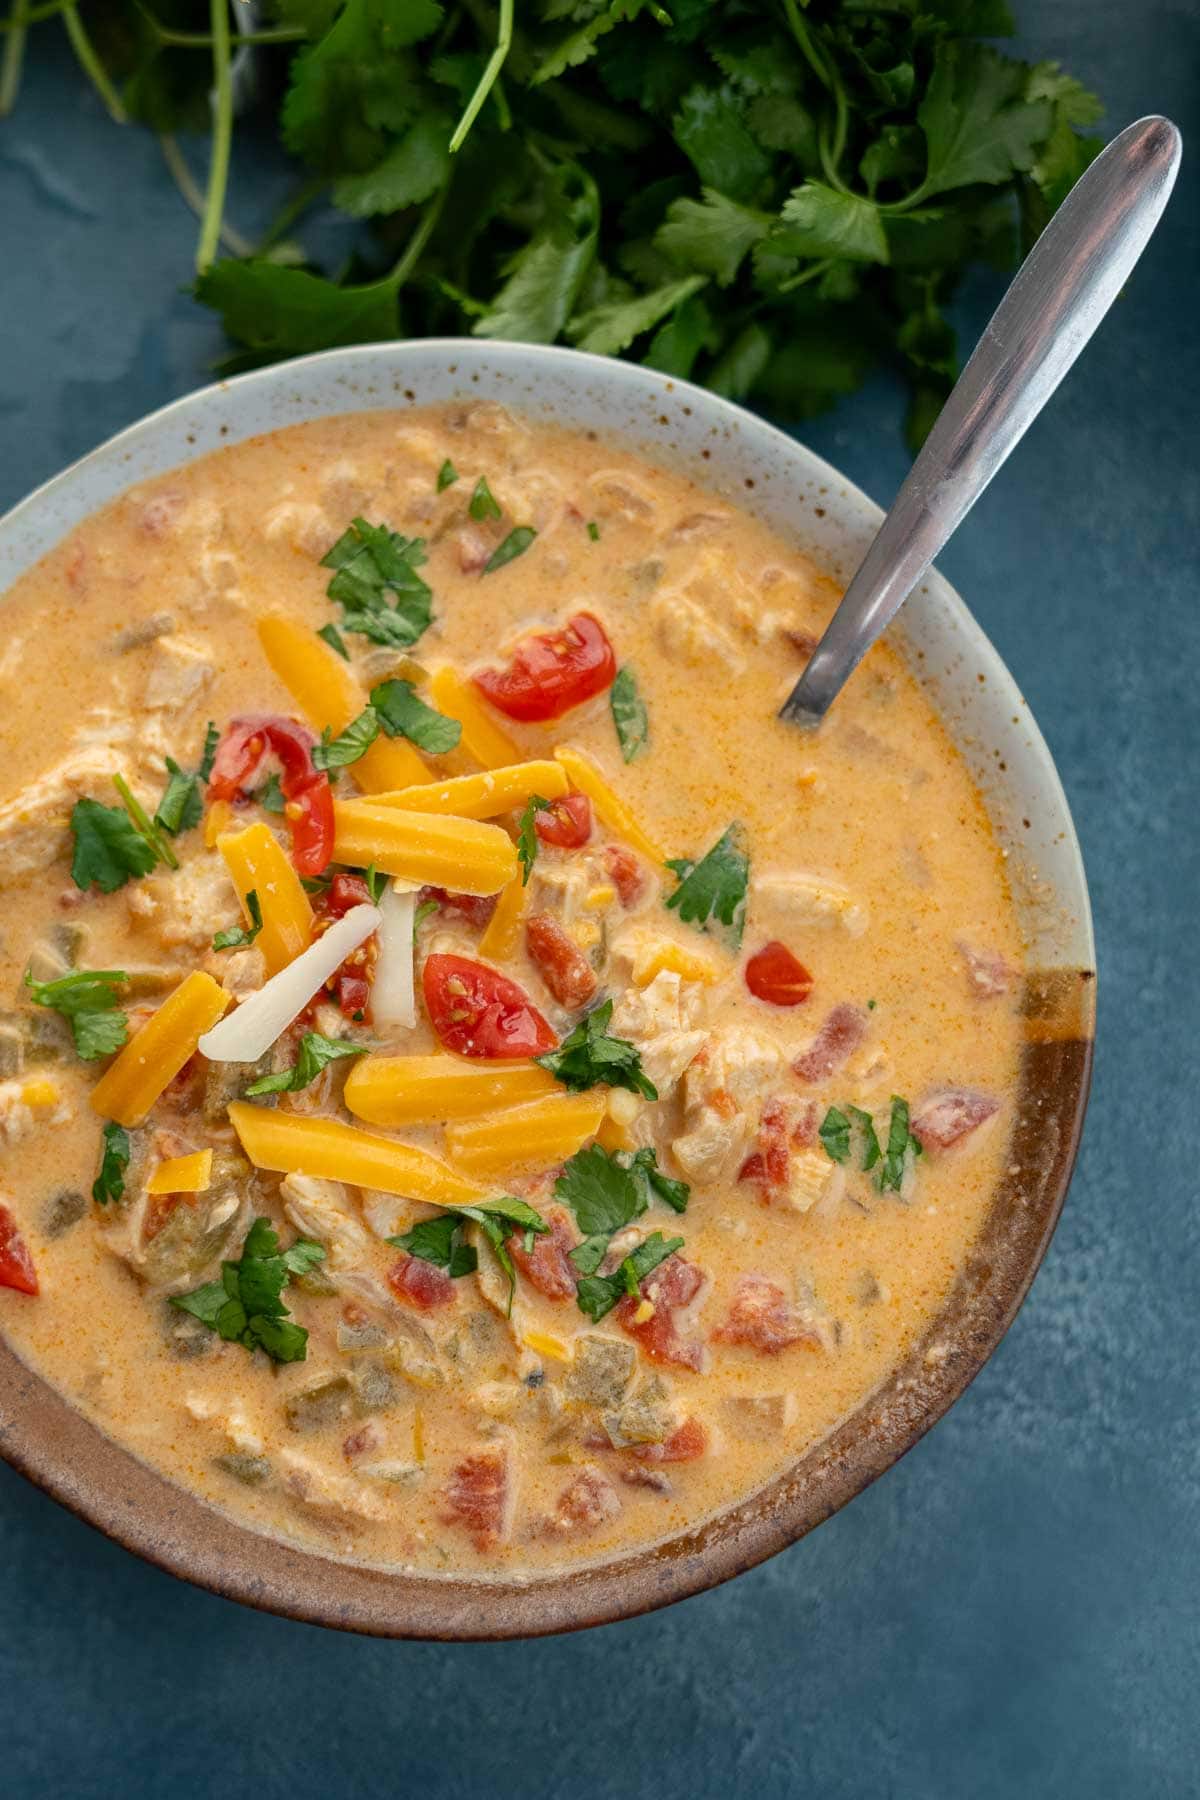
(809, 504)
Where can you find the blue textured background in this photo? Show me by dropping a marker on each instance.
(1014, 1608)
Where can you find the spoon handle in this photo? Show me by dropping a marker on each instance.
(1059, 296)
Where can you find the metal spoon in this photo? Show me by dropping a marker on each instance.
(1061, 292)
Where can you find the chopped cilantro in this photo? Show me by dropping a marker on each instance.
(240, 937)
(270, 795)
(593, 531)
(515, 544)
(87, 997)
(114, 1160)
(402, 713)
(374, 881)
(849, 1135)
(371, 562)
(672, 1193)
(181, 807)
(598, 1294)
(339, 752)
(315, 1054)
(109, 850)
(246, 1305)
(901, 1147)
(208, 755)
(527, 837)
(588, 1057)
(447, 476)
(629, 714)
(483, 503)
(144, 825)
(335, 640)
(440, 1240)
(423, 911)
(715, 887)
(834, 1134)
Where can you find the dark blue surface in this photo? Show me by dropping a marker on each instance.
(1015, 1608)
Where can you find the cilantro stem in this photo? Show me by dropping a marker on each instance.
(826, 73)
(14, 56)
(32, 15)
(202, 40)
(418, 241)
(144, 824)
(812, 273)
(89, 62)
(222, 138)
(192, 197)
(490, 76)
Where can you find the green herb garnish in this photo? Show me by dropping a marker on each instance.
(440, 1241)
(109, 849)
(339, 752)
(629, 714)
(246, 1305)
(270, 795)
(371, 562)
(515, 544)
(598, 1294)
(593, 531)
(901, 1147)
(607, 1192)
(527, 837)
(849, 1135)
(315, 1054)
(182, 807)
(715, 887)
(240, 937)
(114, 1160)
(447, 476)
(402, 713)
(588, 1058)
(335, 640)
(88, 998)
(483, 503)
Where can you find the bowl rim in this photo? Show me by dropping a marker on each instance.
(102, 1482)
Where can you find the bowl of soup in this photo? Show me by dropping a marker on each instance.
(500, 1132)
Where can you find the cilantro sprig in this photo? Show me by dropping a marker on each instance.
(527, 838)
(440, 1241)
(397, 710)
(607, 1191)
(589, 1057)
(630, 717)
(240, 937)
(848, 1136)
(88, 999)
(714, 890)
(598, 1294)
(315, 1055)
(109, 1184)
(246, 1305)
(371, 562)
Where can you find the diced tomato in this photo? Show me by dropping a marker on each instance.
(350, 984)
(628, 873)
(477, 1497)
(947, 1118)
(419, 1282)
(773, 974)
(568, 824)
(343, 894)
(360, 1442)
(761, 1316)
(552, 671)
(159, 1208)
(988, 974)
(476, 909)
(837, 1040)
(547, 1267)
(785, 1125)
(16, 1264)
(685, 1444)
(476, 1011)
(673, 1285)
(559, 961)
(309, 798)
(587, 1501)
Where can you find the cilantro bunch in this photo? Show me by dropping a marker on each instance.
(768, 196)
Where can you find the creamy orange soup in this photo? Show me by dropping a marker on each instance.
(641, 1110)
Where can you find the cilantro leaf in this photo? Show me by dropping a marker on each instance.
(527, 837)
(630, 717)
(818, 222)
(614, 324)
(402, 713)
(588, 1057)
(208, 755)
(181, 807)
(713, 235)
(598, 1294)
(87, 997)
(515, 544)
(977, 122)
(315, 1055)
(109, 850)
(483, 503)
(270, 795)
(414, 168)
(716, 887)
(601, 1192)
(246, 1305)
(901, 1147)
(545, 277)
(834, 1134)
(672, 1193)
(239, 937)
(288, 312)
(440, 1242)
(370, 562)
(335, 640)
(710, 129)
(353, 743)
(447, 476)
(114, 1160)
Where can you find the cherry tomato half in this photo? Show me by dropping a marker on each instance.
(552, 671)
(16, 1264)
(568, 824)
(773, 974)
(307, 793)
(476, 1011)
(351, 985)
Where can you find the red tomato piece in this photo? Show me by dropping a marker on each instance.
(685, 1444)
(552, 671)
(476, 909)
(350, 985)
(773, 974)
(159, 1208)
(628, 873)
(559, 961)
(673, 1285)
(769, 1165)
(761, 1316)
(238, 763)
(587, 1501)
(837, 1040)
(420, 1283)
(568, 824)
(547, 1267)
(477, 1497)
(988, 974)
(16, 1264)
(947, 1118)
(365, 1439)
(476, 1011)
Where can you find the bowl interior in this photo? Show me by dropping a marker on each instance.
(808, 503)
